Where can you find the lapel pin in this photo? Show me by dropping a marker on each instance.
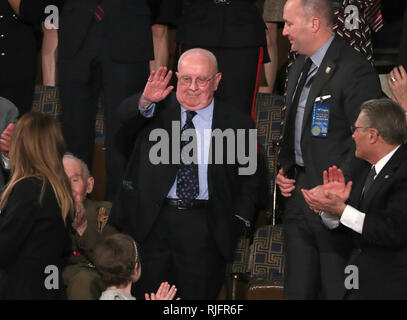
(328, 70)
(386, 176)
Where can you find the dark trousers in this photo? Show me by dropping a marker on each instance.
(81, 80)
(240, 69)
(17, 81)
(316, 257)
(180, 249)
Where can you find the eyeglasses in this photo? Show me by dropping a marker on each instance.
(201, 82)
(353, 128)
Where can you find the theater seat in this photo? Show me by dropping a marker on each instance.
(264, 277)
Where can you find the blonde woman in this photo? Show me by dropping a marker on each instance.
(34, 207)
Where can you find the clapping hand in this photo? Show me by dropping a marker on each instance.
(157, 87)
(164, 292)
(330, 196)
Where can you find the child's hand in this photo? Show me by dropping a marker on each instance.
(164, 292)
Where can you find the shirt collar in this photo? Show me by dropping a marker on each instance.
(204, 113)
(319, 55)
(383, 161)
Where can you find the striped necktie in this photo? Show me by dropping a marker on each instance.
(99, 12)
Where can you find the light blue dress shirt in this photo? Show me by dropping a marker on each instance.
(203, 127)
(316, 58)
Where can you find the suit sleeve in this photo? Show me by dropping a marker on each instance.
(18, 220)
(131, 122)
(249, 181)
(387, 226)
(362, 85)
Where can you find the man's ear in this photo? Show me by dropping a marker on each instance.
(316, 24)
(218, 77)
(91, 183)
(373, 135)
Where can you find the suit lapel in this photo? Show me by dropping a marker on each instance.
(291, 85)
(384, 177)
(323, 75)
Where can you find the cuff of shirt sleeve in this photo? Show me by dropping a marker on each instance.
(353, 218)
(147, 112)
(6, 161)
(330, 220)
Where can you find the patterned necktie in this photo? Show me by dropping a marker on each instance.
(99, 12)
(187, 177)
(287, 153)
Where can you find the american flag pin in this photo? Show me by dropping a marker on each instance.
(328, 70)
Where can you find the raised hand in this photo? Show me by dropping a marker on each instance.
(80, 222)
(6, 138)
(157, 87)
(164, 292)
(334, 183)
(398, 85)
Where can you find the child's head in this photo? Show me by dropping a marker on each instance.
(117, 260)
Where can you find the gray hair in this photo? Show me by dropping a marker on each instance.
(387, 117)
(71, 156)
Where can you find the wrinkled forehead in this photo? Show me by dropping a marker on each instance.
(73, 167)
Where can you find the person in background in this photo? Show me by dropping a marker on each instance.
(327, 84)
(235, 33)
(398, 85)
(20, 22)
(8, 115)
(35, 209)
(117, 258)
(372, 205)
(272, 16)
(89, 228)
(103, 47)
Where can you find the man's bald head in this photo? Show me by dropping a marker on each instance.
(198, 79)
(319, 8)
(198, 52)
(79, 176)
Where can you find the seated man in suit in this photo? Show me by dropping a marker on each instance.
(373, 204)
(187, 216)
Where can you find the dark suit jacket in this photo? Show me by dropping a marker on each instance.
(205, 24)
(381, 254)
(127, 27)
(145, 186)
(350, 80)
(32, 237)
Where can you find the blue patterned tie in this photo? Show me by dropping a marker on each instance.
(187, 177)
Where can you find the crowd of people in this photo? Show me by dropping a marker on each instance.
(178, 198)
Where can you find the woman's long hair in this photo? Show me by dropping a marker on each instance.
(36, 150)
